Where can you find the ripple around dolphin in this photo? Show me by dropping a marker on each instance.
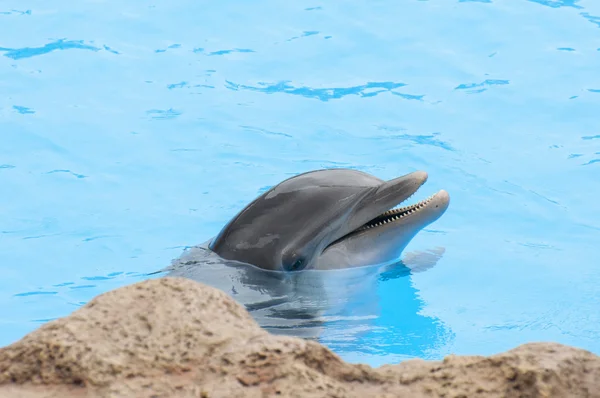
(376, 330)
(344, 309)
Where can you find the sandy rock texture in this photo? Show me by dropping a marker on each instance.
(174, 337)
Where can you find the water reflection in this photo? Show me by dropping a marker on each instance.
(395, 329)
(351, 310)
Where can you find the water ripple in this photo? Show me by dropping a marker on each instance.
(92, 238)
(592, 18)
(68, 172)
(177, 85)
(242, 148)
(474, 88)
(264, 131)
(70, 286)
(110, 50)
(405, 96)
(172, 46)
(82, 287)
(44, 320)
(558, 3)
(306, 33)
(39, 236)
(26, 294)
(187, 85)
(534, 245)
(26, 12)
(63, 284)
(62, 44)
(163, 114)
(23, 110)
(235, 50)
(421, 139)
(322, 94)
(544, 197)
(593, 160)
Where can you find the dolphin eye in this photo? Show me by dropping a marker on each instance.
(297, 265)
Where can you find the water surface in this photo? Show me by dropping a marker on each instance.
(129, 131)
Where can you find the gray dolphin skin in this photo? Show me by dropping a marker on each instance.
(326, 219)
(316, 244)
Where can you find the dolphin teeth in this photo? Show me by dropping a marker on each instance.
(398, 213)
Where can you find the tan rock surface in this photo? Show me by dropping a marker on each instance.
(173, 337)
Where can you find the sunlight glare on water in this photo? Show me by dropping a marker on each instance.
(129, 131)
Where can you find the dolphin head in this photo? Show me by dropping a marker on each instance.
(334, 218)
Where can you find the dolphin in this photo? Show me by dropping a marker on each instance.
(307, 248)
(326, 219)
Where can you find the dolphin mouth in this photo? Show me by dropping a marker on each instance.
(397, 213)
(400, 212)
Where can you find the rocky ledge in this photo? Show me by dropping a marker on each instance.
(173, 337)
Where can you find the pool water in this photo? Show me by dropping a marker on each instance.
(129, 131)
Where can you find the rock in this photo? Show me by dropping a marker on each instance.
(173, 337)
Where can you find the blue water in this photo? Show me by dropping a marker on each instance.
(130, 130)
